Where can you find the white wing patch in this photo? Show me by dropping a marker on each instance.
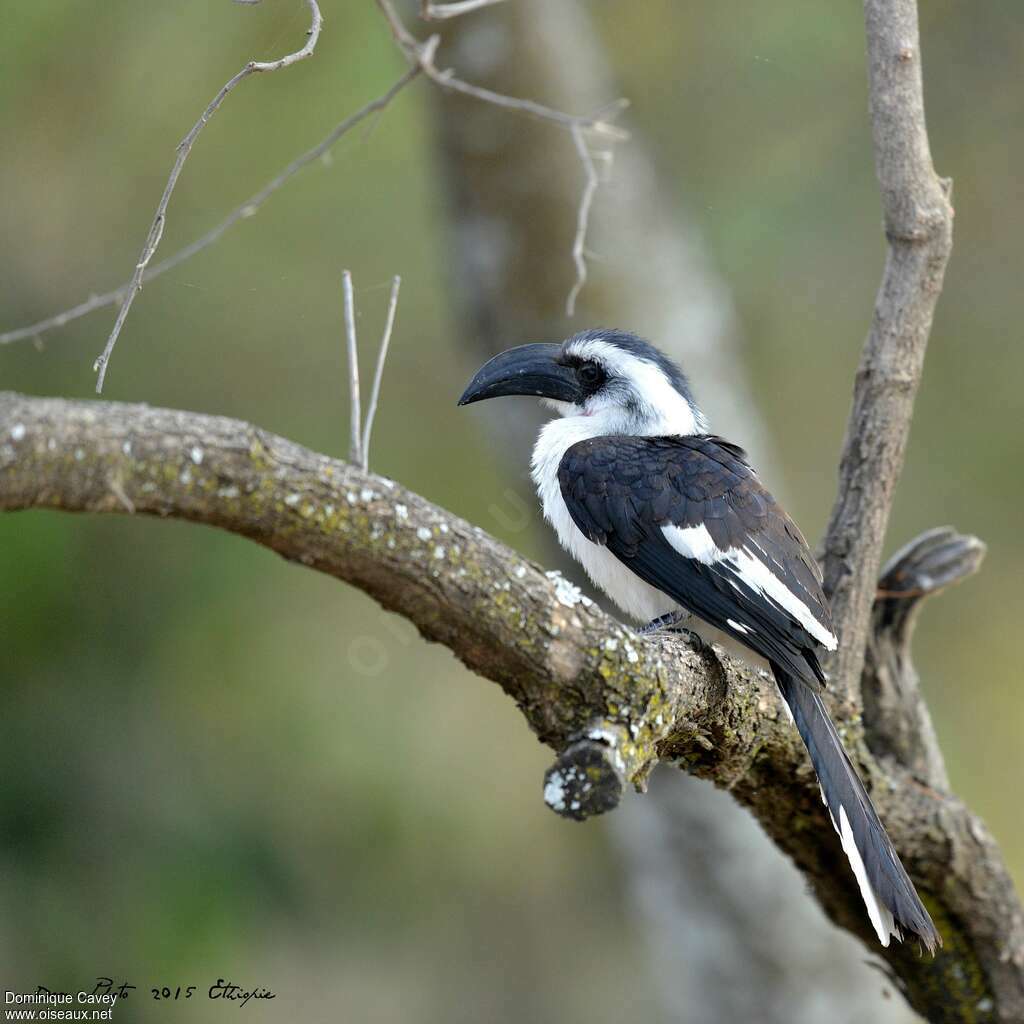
(695, 542)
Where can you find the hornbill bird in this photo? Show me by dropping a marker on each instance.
(673, 524)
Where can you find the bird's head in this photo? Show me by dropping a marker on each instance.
(626, 384)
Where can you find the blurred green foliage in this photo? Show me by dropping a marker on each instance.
(215, 764)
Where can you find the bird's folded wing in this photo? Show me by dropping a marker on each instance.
(689, 516)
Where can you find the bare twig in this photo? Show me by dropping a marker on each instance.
(385, 341)
(600, 123)
(184, 148)
(582, 218)
(423, 53)
(355, 417)
(437, 12)
(918, 224)
(241, 212)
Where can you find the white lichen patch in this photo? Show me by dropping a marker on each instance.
(385, 482)
(18, 432)
(51, 445)
(196, 455)
(439, 551)
(611, 740)
(367, 495)
(611, 644)
(79, 455)
(444, 527)
(228, 492)
(291, 500)
(566, 593)
(401, 512)
(520, 572)
(554, 791)
(127, 448)
(351, 497)
(186, 477)
(631, 656)
(424, 533)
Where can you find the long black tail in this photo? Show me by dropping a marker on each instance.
(889, 894)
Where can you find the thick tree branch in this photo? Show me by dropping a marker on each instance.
(918, 224)
(611, 703)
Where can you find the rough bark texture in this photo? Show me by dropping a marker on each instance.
(919, 227)
(574, 672)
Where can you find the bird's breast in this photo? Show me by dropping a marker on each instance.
(635, 597)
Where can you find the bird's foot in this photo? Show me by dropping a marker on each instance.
(661, 623)
(670, 623)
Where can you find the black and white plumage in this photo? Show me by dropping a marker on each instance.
(670, 520)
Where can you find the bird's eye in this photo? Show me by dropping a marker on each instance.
(590, 373)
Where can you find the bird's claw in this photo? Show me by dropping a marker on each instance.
(662, 623)
(670, 623)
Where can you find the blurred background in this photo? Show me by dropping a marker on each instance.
(214, 764)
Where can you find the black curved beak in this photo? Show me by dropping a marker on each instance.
(526, 370)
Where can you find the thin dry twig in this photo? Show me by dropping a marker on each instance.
(438, 12)
(421, 56)
(600, 123)
(184, 148)
(354, 446)
(422, 53)
(241, 212)
(582, 218)
(385, 341)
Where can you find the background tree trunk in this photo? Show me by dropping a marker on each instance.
(708, 887)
